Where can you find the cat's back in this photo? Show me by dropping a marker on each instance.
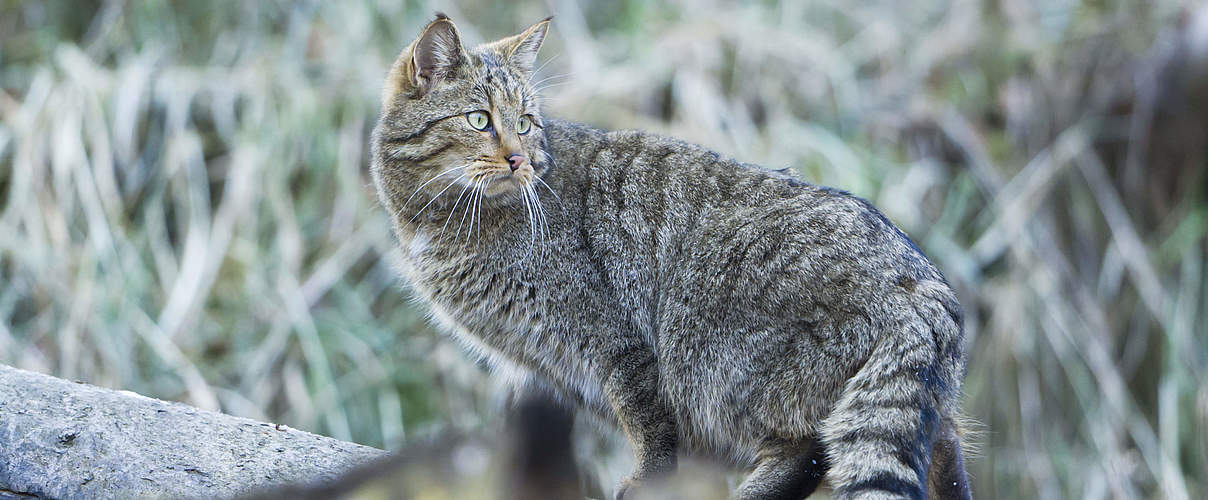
(723, 205)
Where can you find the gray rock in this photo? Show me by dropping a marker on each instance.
(60, 439)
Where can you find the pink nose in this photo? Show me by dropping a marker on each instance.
(516, 160)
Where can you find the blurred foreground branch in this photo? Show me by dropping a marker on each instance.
(67, 440)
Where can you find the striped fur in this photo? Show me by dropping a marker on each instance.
(704, 305)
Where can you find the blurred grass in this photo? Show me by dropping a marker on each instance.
(185, 210)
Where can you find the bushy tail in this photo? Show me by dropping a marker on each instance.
(879, 436)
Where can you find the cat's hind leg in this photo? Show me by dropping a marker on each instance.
(787, 470)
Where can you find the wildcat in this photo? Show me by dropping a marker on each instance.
(702, 304)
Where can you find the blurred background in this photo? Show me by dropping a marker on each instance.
(185, 209)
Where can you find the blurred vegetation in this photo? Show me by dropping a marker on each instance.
(185, 210)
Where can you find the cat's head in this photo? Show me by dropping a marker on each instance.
(463, 118)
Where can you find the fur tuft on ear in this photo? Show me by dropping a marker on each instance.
(521, 50)
(432, 57)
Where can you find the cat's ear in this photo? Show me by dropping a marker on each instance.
(521, 50)
(432, 57)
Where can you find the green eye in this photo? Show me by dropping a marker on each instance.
(524, 124)
(480, 120)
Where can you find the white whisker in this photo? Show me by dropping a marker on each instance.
(549, 86)
(469, 202)
(437, 196)
(478, 209)
(542, 222)
(548, 78)
(474, 213)
(470, 210)
(532, 225)
(551, 190)
(421, 186)
(540, 212)
(452, 211)
(546, 63)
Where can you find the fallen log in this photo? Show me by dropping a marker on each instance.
(67, 440)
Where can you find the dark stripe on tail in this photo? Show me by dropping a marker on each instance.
(890, 484)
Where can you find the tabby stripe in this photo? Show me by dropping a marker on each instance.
(775, 241)
(889, 404)
(419, 157)
(659, 217)
(618, 194)
(913, 457)
(890, 484)
(760, 237)
(905, 371)
(867, 435)
(631, 235)
(586, 184)
(405, 139)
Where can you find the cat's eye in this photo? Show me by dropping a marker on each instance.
(524, 124)
(480, 120)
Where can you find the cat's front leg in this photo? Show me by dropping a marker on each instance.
(632, 390)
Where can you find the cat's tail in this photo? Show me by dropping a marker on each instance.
(900, 404)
